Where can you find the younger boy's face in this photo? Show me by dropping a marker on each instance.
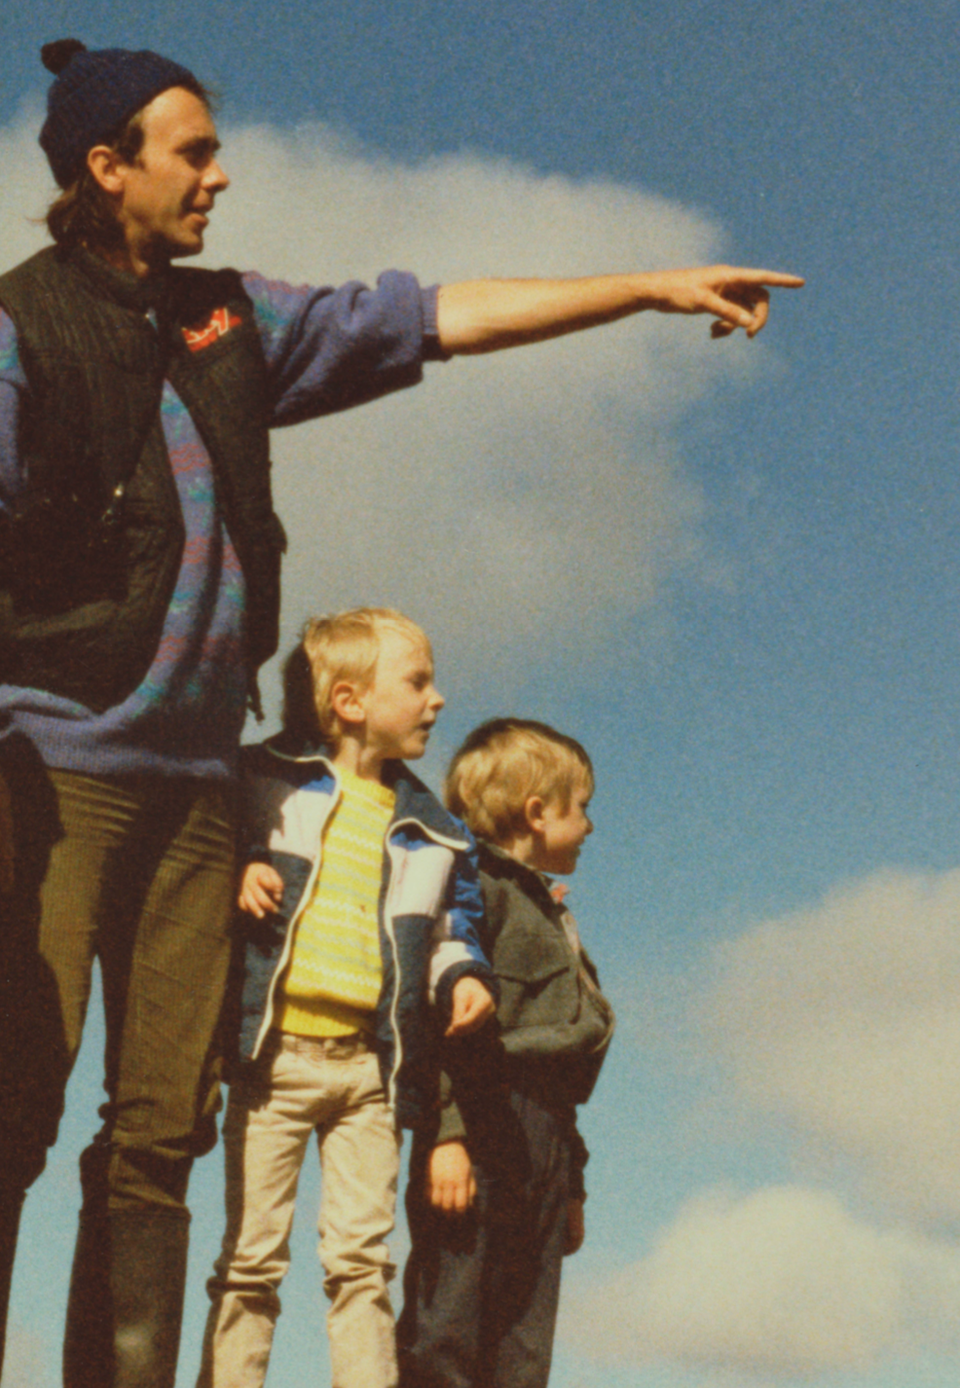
(561, 832)
(402, 704)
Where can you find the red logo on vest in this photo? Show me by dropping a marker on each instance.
(219, 323)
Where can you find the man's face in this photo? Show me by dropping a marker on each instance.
(401, 705)
(168, 192)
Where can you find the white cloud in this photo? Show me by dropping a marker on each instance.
(27, 186)
(534, 495)
(844, 1020)
(533, 499)
(776, 1285)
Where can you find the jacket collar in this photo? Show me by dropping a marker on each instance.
(414, 799)
(417, 801)
(531, 878)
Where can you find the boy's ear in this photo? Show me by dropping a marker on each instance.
(533, 808)
(347, 702)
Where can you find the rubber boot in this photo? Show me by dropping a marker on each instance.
(126, 1299)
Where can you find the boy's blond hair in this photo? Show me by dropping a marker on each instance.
(502, 764)
(343, 646)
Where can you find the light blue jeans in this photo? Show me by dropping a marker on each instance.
(301, 1086)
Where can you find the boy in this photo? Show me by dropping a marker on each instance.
(496, 1199)
(362, 897)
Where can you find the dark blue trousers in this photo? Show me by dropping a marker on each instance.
(481, 1290)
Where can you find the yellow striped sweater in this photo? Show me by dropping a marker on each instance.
(332, 983)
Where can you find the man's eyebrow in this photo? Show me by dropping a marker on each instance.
(210, 142)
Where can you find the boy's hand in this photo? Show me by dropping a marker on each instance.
(576, 1229)
(450, 1182)
(261, 890)
(472, 1006)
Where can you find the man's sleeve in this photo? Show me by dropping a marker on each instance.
(329, 349)
(13, 384)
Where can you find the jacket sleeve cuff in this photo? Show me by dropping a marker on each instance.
(451, 1127)
(432, 350)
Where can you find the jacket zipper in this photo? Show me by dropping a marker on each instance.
(287, 950)
(457, 845)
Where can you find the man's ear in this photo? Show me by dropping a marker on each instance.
(346, 700)
(107, 168)
(533, 808)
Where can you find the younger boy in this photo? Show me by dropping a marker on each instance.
(496, 1198)
(362, 899)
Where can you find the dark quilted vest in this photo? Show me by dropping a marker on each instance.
(90, 552)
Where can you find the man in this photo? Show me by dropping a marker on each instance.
(139, 594)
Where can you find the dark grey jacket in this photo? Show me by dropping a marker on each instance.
(553, 1023)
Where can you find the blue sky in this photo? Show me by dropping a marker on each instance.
(729, 568)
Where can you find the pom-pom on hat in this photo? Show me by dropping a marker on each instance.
(93, 95)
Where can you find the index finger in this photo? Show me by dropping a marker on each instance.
(777, 279)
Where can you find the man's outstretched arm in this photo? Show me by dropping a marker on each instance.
(485, 315)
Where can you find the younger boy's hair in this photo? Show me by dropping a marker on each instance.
(505, 761)
(343, 646)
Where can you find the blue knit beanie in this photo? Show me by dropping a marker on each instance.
(95, 94)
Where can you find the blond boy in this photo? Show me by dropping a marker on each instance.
(362, 902)
(496, 1197)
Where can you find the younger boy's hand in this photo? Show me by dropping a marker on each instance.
(261, 890)
(450, 1182)
(472, 1006)
(576, 1229)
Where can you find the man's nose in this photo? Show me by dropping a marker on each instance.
(214, 178)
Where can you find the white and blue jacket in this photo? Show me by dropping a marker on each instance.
(430, 906)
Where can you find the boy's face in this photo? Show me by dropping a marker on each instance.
(561, 830)
(401, 705)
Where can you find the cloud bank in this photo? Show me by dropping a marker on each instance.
(781, 1284)
(845, 1020)
(534, 495)
(842, 1022)
(532, 500)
